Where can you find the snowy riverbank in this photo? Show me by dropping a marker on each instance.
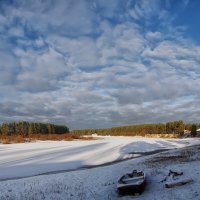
(100, 183)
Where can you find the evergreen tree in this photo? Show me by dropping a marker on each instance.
(194, 130)
(4, 129)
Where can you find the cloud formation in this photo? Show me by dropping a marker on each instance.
(88, 64)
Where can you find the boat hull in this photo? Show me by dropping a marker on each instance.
(131, 187)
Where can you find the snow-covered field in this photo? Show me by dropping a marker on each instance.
(19, 160)
(28, 159)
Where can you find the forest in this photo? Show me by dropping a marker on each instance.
(25, 129)
(44, 131)
(175, 128)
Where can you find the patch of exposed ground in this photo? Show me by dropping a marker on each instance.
(186, 154)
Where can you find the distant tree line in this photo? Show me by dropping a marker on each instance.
(175, 127)
(26, 129)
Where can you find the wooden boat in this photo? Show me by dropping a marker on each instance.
(132, 183)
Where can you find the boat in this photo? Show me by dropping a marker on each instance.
(132, 183)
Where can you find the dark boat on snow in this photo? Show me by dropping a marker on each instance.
(132, 183)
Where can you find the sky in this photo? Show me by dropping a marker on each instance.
(99, 63)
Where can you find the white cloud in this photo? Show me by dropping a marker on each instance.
(16, 32)
(144, 9)
(81, 51)
(153, 36)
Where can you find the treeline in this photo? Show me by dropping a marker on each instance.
(175, 128)
(26, 129)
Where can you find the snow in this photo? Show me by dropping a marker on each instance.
(28, 159)
(19, 160)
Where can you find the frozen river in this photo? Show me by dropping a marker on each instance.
(28, 159)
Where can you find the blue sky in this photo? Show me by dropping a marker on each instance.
(97, 63)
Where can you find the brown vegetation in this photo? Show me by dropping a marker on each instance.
(42, 137)
(161, 135)
(12, 139)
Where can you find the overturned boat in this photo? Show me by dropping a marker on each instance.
(132, 183)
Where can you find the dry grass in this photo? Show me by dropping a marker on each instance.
(42, 137)
(161, 136)
(12, 139)
(5, 141)
(56, 137)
